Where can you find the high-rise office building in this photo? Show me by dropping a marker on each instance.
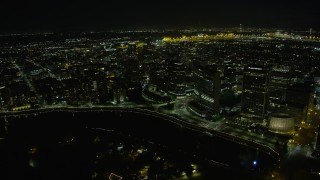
(317, 92)
(207, 87)
(255, 91)
(280, 80)
(316, 151)
(299, 95)
(298, 99)
(177, 78)
(176, 71)
(1, 101)
(132, 73)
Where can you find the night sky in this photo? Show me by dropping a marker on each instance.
(64, 15)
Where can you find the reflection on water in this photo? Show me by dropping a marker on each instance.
(133, 146)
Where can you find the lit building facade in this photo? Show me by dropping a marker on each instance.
(176, 71)
(177, 78)
(281, 124)
(207, 87)
(317, 92)
(255, 91)
(280, 80)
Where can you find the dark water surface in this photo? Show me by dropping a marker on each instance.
(69, 146)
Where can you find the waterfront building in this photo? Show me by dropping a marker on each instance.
(206, 90)
(281, 124)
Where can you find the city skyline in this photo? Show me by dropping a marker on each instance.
(159, 89)
(208, 82)
(34, 16)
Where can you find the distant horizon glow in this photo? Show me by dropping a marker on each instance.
(92, 15)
